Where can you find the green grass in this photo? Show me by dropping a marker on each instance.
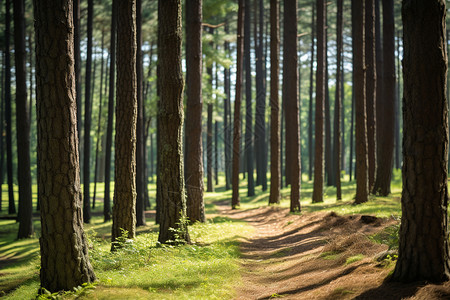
(207, 269)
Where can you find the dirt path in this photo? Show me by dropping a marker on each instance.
(318, 256)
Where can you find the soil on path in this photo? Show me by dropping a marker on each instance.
(319, 256)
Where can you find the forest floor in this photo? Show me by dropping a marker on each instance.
(320, 255)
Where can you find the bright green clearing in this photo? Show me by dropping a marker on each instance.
(144, 269)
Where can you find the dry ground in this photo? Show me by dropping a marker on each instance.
(319, 256)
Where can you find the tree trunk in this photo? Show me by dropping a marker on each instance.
(371, 83)
(193, 172)
(338, 102)
(311, 88)
(227, 118)
(397, 103)
(359, 89)
(140, 139)
(22, 125)
(64, 250)
(2, 118)
(124, 211)
(8, 112)
(170, 115)
(77, 54)
(248, 103)
(216, 152)
(290, 90)
(385, 155)
(275, 172)
(328, 135)
(423, 238)
(235, 202)
(320, 99)
(87, 119)
(109, 129)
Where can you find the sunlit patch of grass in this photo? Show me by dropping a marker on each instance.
(330, 255)
(354, 258)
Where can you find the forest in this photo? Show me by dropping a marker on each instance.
(217, 149)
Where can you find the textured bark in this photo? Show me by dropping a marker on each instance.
(338, 138)
(193, 165)
(2, 118)
(359, 71)
(209, 134)
(22, 125)
(235, 202)
(290, 90)
(8, 111)
(64, 252)
(423, 246)
(87, 119)
(311, 88)
(109, 128)
(77, 53)
(124, 210)
(227, 118)
(385, 155)
(248, 103)
(275, 172)
(140, 139)
(320, 103)
(398, 99)
(371, 83)
(170, 117)
(379, 70)
(260, 122)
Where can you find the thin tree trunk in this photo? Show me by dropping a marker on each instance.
(311, 87)
(275, 171)
(87, 119)
(193, 171)
(362, 180)
(22, 125)
(248, 103)
(8, 112)
(216, 152)
(235, 202)
(338, 102)
(398, 99)
(109, 130)
(290, 90)
(227, 119)
(385, 156)
(2, 118)
(77, 56)
(320, 99)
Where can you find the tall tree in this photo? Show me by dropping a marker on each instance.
(311, 88)
(22, 124)
(64, 251)
(2, 118)
(248, 103)
(227, 119)
(140, 126)
(193, 171)
(423, 246)
(359, 90)
(109, 128)
(8, 111)
(260, 120)
(320, 103)
(235, 202)
(209, 126)
(87, 118)
(173, 225)
(77, 54)
(338, 101)
(385, 155)
(124, 211)
(371, 83)
(290, 91)
(275, 172)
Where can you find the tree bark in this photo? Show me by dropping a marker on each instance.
(359, 71)
(385, 155)
(320, 99)
(423, 238)
(22, 125)
(235, 202)
(338, 102)
(77, 53)
(109, 129)
(173, 223)
(64, 251)
(193, 172)
(209, 130)
(371, 83)
(275, 171)
(311, 88)
(227, 118)
(290, 90)
(124, 211)
(248, 103)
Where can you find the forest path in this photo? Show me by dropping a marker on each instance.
(318, 256)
